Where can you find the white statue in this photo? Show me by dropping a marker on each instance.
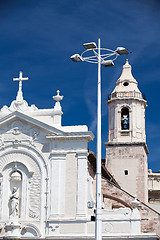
(14, 200)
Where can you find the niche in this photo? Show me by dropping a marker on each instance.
(15, 196)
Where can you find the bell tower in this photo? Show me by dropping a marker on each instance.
(126, 149)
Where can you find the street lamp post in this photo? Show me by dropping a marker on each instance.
(105, 57)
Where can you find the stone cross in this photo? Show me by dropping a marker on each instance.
(20, 79)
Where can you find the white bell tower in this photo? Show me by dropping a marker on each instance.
(126, 150)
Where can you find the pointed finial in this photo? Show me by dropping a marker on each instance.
(58, 98)
(57, 111)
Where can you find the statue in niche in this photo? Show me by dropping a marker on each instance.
(14, 200)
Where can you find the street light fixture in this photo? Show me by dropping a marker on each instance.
(76, 58)
(98, 55)
(90, 45)
(122, 50)
(108, 63)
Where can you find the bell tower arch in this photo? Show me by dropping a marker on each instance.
(126, 149)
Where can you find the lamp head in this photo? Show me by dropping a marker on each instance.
(76, 58)
(90, 45)
(108, 63)
(122, 50)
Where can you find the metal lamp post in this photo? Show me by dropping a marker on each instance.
(105, 57)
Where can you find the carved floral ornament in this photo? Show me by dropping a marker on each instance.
(16, 131)
(108, 227)
(16, 142)
(21, 229)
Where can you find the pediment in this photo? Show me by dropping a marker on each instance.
(18, 123)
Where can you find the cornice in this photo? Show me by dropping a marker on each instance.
(128, 144)
(75, 135)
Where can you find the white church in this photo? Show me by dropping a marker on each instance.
(47, 173)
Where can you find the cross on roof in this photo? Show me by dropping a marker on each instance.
(20, 79)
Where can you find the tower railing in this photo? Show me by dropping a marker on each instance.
(129, 94)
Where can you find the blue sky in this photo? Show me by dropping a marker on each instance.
(38, 37)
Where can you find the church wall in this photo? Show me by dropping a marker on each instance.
(150, 219)
(46, 119)
(154, 189)
(128, 164)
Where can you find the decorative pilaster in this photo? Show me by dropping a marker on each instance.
(58, 169)
(82, 185)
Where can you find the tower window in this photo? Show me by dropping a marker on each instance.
(125, 119)
(125, 172)
(125, 84)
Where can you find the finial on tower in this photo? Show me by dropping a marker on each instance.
(19, 97)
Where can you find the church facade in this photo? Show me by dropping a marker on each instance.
(47, 176)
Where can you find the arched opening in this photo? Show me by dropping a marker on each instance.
(125, 118)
